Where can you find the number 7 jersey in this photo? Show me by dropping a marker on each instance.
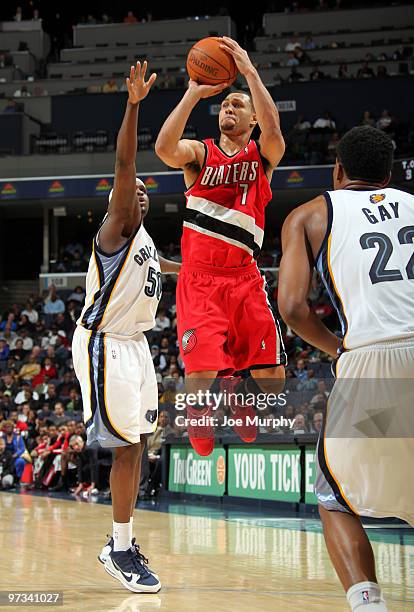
(225, 211)
(123, 288)
(366, 262)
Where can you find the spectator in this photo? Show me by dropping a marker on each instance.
(45, 413)
(384, 121)
(31, 313)
(7, 471)
(159, 360)
(365, 71)
(368, 119)
(299, 425)
(162, 321)
(382, 71)
(316, 74)
(317, 422)
(130, 18)
(74, 406)
(292, 44)
(11, 107)
(14, 444)
(292, 60)
(18, 16)
(4, 351)
(29, 370)
(109, 87)
(326, 122)
(302, 124)
(48, 370)
(26, 394)
(300, 371)
(59, 417)
(23, 92)
(53, 304)
(18, 353)
(27, 340)
(309, 44)
(295, 75)
(343, 72)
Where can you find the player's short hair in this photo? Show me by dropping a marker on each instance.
(366, 154)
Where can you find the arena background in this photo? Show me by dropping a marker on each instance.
(329, 66)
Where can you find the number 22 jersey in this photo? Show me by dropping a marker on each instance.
(123, 288)
(367, 264)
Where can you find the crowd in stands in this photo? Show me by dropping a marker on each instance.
(42, 436)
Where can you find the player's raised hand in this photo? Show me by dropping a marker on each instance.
(138, 88)
(206, 91)
(240, 56)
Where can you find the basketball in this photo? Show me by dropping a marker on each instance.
(208, 64)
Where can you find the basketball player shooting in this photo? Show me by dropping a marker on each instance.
(110, 352)
(360, 239)
(224, 320)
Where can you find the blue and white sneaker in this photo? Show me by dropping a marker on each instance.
(125, 566)
(109, 546)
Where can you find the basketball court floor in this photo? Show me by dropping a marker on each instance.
(207, 559)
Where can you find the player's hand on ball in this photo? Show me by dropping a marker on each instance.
(206, 91)
(240, 56)
(138, 88)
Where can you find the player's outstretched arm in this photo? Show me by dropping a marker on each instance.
(295, 275)
(272, 144)
(169, 267)
(121, 207)
(169, 147)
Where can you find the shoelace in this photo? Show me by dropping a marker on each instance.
(138, 552)
(138, 565)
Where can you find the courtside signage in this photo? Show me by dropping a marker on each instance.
(262, 473)
(191, 473)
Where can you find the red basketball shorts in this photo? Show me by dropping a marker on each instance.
(224, 320)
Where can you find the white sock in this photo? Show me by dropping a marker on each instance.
(131, 527)
(122, 541)
(366, 596)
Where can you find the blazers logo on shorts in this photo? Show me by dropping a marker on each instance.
(189, 340)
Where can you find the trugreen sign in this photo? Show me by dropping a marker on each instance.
(310, 475)
(191, 473)
(264, 473)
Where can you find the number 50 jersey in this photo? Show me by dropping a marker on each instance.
(367, 264)
(123, 288)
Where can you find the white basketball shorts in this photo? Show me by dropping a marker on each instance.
(118, 384)
(365, 454)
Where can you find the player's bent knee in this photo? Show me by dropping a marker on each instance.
(270, 380)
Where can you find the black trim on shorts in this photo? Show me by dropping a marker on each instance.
(325, 470)
(101, 390)
(264, 366)
(226, 230)
(94, 400)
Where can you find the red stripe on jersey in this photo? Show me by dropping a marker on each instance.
(237, 183)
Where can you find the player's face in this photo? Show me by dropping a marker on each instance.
(142, 198)
(236, 115)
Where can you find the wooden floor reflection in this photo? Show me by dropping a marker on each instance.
(206, 563)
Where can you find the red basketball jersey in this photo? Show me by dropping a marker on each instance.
(225, 212)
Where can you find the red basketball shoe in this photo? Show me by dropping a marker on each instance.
(247, 430)
(200, 429)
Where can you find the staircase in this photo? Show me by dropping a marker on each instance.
(17, 291)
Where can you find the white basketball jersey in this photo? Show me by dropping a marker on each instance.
(123, 289)
(367, 264)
